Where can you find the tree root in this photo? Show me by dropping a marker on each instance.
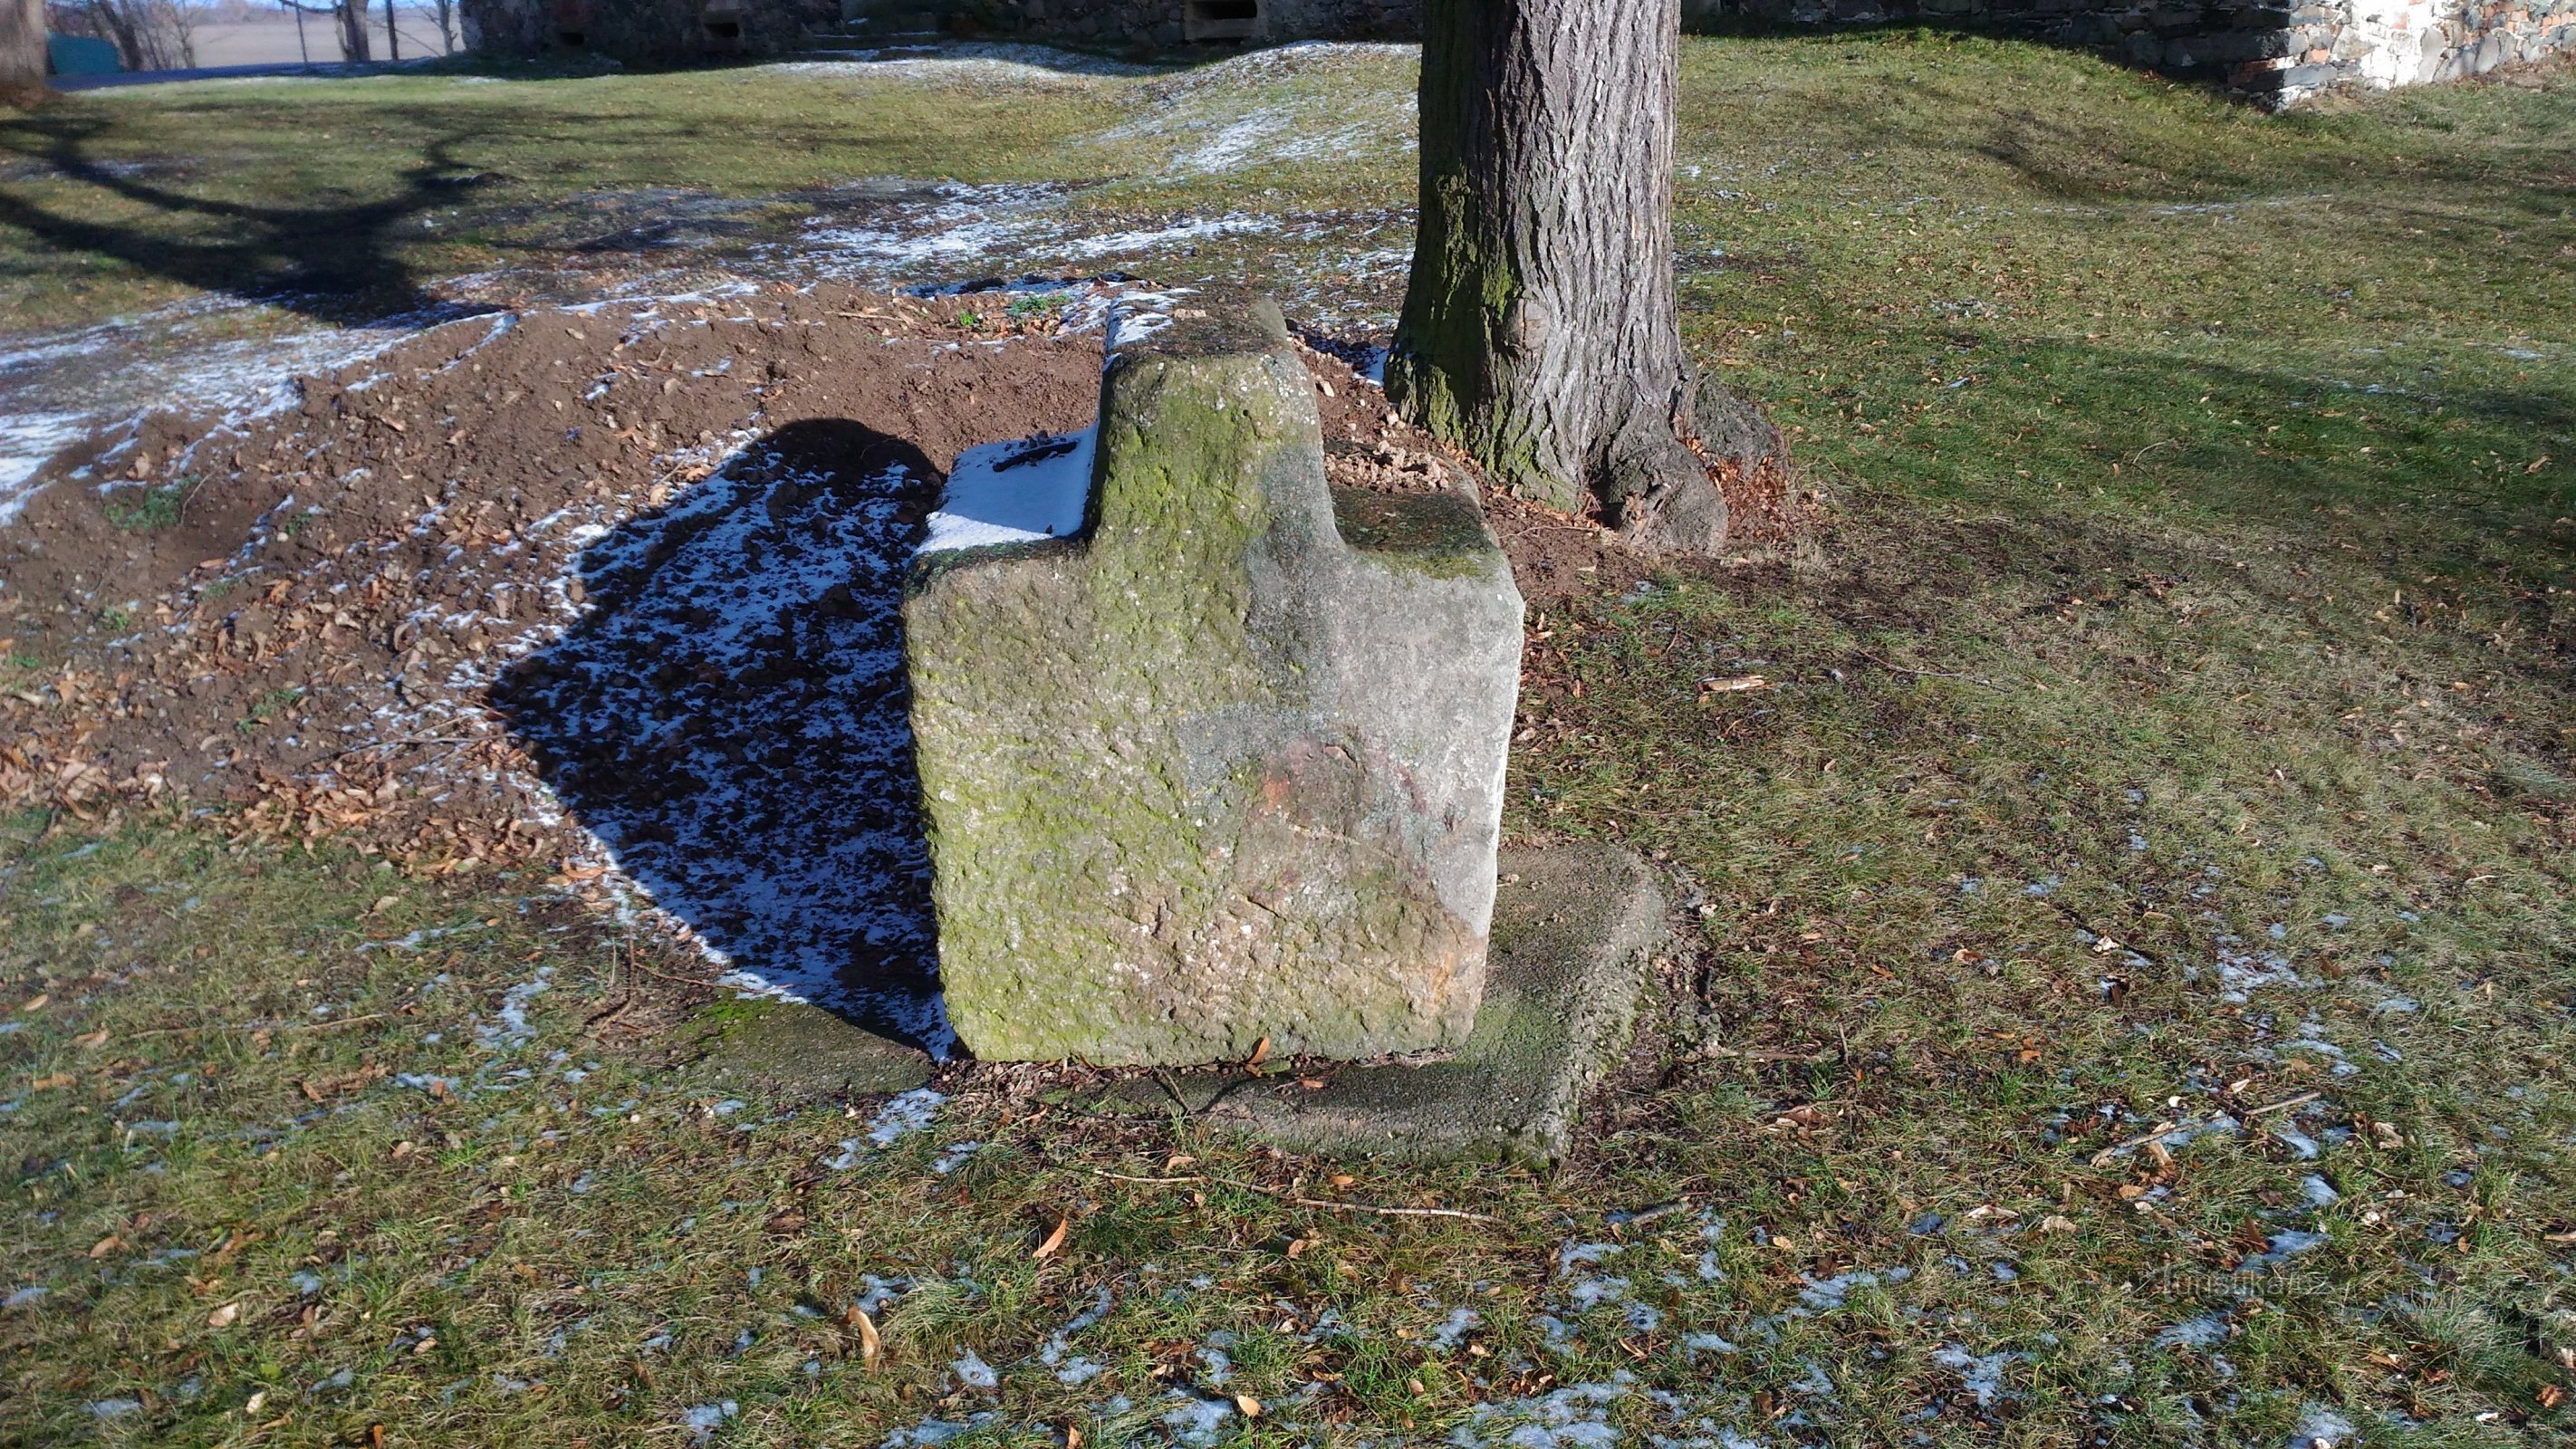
(1660, 480)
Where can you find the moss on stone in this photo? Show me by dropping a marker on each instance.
(1148, 844)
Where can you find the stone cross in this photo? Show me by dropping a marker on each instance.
(1225, 765)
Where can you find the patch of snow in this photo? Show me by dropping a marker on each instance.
(2284, 1246)
(1195, 1421)
(974, 1373)
(703, 1420)
(1981, 1374)
(1020, 492)
(1825, 1295)
(2321, 1428)
(1453, 1328)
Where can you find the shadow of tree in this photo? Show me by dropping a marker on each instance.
(330, 261)
(729, 718)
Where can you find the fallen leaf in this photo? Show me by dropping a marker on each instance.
(375, 1436)
(91, 1041)
(1260, 1053)
(1297, 1246)
(1734, 684)
(1343, 1179)
(1251, 1406)
(870, 1343)
(258, 1401)
(2053, 1223)
(1072, 1437)
(37, 1002)
(106, 1245)
(47, 1084)
(223, 1317)
(1054, 1240)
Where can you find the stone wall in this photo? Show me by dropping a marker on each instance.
(2278, 51)
(645, 30)
(1178, 22)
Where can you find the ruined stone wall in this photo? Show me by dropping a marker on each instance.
(2278, 51)
(1178, 22)
(645, 30)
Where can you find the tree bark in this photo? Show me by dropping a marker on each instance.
(1540, 330)
(22, 52)
(353, 30)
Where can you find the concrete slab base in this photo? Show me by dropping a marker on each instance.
(785, 1051)
(1575, 931)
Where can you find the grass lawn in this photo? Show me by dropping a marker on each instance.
(2134, 993)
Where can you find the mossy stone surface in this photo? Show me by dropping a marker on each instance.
(1206, 774)
(1575, 932)
(786, 1050)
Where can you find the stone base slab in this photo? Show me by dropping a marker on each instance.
(1575, 933)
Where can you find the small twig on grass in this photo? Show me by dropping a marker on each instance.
(1289, 1197)
(2283, 1105)
(637, 964)
(280, 1026)
(1931, 673)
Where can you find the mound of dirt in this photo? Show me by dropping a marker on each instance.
(531, 583)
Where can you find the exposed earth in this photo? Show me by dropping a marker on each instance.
(533, 583)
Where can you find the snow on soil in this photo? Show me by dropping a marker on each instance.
(773, 584)
(213, 354)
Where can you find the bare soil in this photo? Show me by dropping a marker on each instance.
(640, 563)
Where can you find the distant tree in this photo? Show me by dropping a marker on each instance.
(22, 52)
(1540, 328)
(147, 34)
(353, 29)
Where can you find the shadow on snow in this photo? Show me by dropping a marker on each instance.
(729, 718)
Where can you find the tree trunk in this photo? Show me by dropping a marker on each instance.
(120, 28)
(22, 52)
(393, 33)
(353, 30)
(1540, 329)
